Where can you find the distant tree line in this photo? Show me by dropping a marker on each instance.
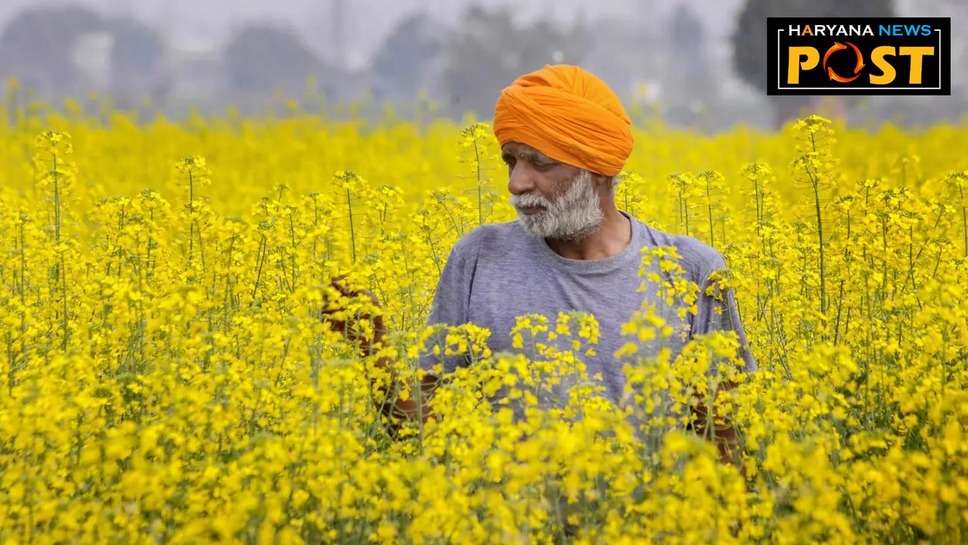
(664, 69)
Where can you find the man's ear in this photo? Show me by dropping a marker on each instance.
(601, 181)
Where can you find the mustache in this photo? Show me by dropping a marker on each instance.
(527, 200)
(530, 199)
(560, 201)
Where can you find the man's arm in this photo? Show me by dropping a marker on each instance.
(717, 310)
(450, 302)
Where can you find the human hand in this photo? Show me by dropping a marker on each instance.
(350, 326)
(401, 410)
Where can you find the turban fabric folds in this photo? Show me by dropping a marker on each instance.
(568, 114)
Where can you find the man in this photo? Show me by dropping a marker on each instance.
(565, 136)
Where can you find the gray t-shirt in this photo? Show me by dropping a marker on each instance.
(498, 272)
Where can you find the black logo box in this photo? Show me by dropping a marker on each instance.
(936, 69)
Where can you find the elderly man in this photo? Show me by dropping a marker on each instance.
(565, 136)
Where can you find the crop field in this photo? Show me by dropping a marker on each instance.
(166, 377)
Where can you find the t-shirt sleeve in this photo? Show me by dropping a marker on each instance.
(450, 302)
(714, 314)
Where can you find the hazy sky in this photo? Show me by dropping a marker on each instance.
(204, 24)
(349, 32)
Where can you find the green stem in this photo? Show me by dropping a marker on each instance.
(477, 164)
(258, 274)
(709, 209)
(349, 206)
(292, 254)
(823, 290)
(60, 259)
(191, 219)
(23, 310)
(815, 181)
(315, 224)
(964, 218)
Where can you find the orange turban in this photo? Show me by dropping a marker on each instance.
(568, 114)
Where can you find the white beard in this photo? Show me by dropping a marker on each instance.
(573, 216)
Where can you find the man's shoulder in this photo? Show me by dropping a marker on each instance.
(486, 238)
(696, 257)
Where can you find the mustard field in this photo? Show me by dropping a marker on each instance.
(165, 375)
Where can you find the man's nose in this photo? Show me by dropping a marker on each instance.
(521, 178)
